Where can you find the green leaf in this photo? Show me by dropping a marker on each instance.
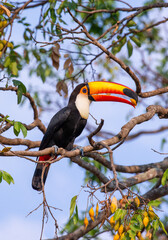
(155, 224)
(119, 213)
(129, 48)
(139, 218)
(42, 50)
(19, 94)
(154, 203)
(131, 23)
(36, 55)
(72, 205)
(16, 128)
(126, 237)
(136, 41)
(0, 176)
(53, 15)
(14, 68)
(116, 49)
(131, 233)
(75, 217)
(8, 4)
(162, 227)
(7, 62)
(72, 5)
(7, 177)
(61, 7)
(21, 89)
(136, 228)
(163, 143)
(16, 83)
(165, 177)
(24, 130)
(122, 42)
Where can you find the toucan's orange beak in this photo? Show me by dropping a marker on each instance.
(101, 91)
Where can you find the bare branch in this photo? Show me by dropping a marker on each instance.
(37, 122)
(19, 141)
(139, 178)
(144, 8)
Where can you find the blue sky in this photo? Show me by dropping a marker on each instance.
(63, 181)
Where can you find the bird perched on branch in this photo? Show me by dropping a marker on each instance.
(69, 122)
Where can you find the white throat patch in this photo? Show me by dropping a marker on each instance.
(82, 103)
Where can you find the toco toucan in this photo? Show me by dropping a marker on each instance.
(69, 122)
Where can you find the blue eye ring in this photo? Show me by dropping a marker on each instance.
(84, 90)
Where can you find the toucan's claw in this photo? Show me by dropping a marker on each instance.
(81, 150)
(55, 149)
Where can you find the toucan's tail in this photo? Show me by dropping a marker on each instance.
(36, 181)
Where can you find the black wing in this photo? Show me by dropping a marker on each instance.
(56, 122)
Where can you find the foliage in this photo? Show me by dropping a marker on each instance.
(71, 42)
(6, 176)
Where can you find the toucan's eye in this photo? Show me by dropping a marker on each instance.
(84, 90)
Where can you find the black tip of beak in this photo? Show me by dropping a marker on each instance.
(131, 94)
(91, 98)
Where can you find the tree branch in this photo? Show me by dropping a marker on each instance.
(125, 130)
(37, 122)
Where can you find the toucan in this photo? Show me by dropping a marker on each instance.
(69, 122)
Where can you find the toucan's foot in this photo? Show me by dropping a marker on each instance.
(55, 149)
(81, 150)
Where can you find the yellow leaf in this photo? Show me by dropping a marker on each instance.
(116, 227)
(145, 221)
(145, 214)
(149, 235)
(121, 229)
(122, 236)
(137, 201)
(116, 237)
(151, 212)
(139, 235)
(1, 46)
(97, 210)
(112, 221)
(6, 149)
(86, 222)
(1, 11)
(91, 214)
(113, 206)
(10, 45)
(114, 200)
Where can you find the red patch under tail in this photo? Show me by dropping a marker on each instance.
(36, 181)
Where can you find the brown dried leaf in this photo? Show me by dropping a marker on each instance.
(7, 12)
(6, 149)
(55, 49)
(102, 223)
(61, 86)
(71, 69)
(67, 63)
(56, 65)
(55, 56)
(66, 55)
